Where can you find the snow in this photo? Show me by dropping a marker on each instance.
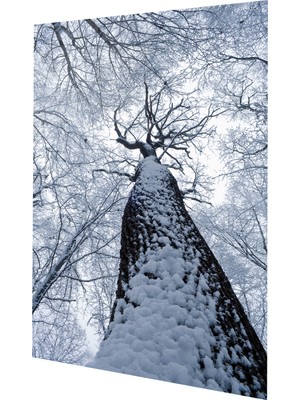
(163, 329)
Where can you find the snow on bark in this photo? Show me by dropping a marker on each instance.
(176, 317)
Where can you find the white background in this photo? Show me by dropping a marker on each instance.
(25, 378)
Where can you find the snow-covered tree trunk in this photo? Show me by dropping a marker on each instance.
(176, 317)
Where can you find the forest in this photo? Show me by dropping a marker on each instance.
(186, 86)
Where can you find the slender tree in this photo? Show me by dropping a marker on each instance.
(175, 317)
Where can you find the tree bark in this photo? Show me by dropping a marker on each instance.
(162, 248)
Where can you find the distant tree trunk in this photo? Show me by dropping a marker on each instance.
(176, 317)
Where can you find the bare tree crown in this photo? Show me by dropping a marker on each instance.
(161, 124)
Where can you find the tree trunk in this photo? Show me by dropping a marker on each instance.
(176, 317)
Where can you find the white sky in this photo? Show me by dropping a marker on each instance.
(25, 377)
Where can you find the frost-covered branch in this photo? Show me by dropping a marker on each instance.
(162, 127)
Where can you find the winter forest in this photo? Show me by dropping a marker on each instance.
(150, 195)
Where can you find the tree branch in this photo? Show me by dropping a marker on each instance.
(131, 177)
(250, 58)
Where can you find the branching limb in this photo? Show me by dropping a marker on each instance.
(131, 177)
(250, 58)
(71, 72)
(196, 199)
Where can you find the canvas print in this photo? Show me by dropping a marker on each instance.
(150, 195)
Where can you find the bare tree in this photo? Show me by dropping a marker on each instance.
(100, 79)
(74, 241)
(170, 283)
(237, 228)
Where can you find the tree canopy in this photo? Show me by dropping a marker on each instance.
(189, 83)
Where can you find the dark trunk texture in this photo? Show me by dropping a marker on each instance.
(144, 233)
